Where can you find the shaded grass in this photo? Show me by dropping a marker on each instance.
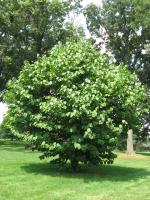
(24, 177)
(88, 174)
(144, 154)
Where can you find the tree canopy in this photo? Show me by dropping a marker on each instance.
(126, 25)
(30, 28)
(73, 104)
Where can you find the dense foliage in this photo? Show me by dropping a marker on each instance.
(29, 28)
(124, 26)
(5, 133)
(74, 104)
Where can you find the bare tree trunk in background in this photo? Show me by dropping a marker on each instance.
(130, 149)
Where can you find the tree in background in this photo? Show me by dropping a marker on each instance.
(127, 30)
(73, 105)
(5, 133)
(30, 28)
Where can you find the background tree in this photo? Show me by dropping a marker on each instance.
(127, 30)
(30, 28)
(74, 105)
(5, 133)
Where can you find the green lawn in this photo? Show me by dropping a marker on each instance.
(24, 177)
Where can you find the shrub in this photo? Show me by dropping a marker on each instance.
(73, 104)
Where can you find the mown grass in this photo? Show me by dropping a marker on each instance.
(24, 177)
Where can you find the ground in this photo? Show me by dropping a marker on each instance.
(24, 177)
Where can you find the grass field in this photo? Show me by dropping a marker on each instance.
(24, 177)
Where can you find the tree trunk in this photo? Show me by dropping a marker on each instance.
(74, 165)
(130, 149)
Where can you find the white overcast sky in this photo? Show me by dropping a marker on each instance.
(81, 21)
(86, 2)
(3, 110)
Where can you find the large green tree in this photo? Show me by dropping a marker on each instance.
(29, 28)
(74, 105)
(126, 25)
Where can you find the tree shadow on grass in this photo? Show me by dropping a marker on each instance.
(18, 148)
(144, 153)
(112, 173)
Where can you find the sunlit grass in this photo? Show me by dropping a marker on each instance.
(24, 177)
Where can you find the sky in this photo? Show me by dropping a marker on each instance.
(86, 2)
(3, 110)
(80, 21)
